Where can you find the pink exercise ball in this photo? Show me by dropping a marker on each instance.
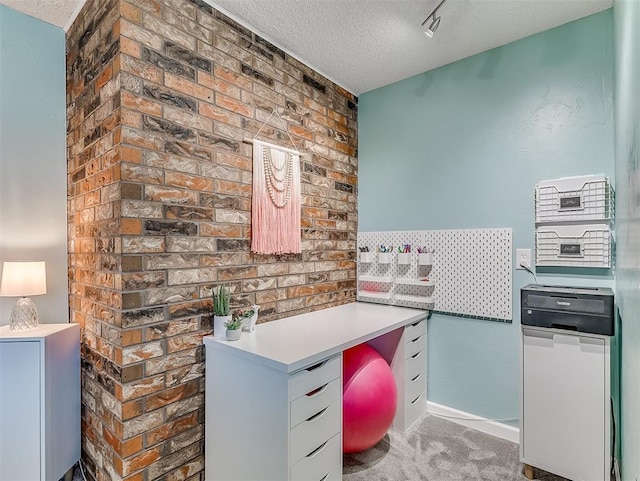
(369, 398)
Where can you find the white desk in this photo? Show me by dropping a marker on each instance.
(274, 398)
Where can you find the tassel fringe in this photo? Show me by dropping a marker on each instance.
(275, 230)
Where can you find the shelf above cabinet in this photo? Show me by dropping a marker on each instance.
(375, 295)
(409, 298)
(414, 282)
(379, 279)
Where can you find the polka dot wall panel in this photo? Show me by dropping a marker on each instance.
(465, 272)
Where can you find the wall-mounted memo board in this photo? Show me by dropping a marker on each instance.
(470, 272)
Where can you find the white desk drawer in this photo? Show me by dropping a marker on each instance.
(415, 386)
(311, 433)
(334, 475)
(414, 365)
(309, 404)
(415, 330)
(318, 463)
(314, 377)
(414, 346)
(415, 408)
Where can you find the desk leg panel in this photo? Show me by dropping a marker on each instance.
(246, 420)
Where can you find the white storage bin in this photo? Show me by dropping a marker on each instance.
(367, 257)
(574, 245)
(404, 258)
(384, 257)
(425, 258)
(574, 199)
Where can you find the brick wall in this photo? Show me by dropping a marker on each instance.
(160, 95)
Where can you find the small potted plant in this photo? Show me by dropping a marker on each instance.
(244, 315)
(221, 315)
(233, 326)
(251, 317)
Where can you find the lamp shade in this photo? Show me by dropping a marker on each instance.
(21, 279)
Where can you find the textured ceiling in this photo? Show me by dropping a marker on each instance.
(56, 12)
(365, 44)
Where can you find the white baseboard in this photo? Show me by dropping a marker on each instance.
(494, 428)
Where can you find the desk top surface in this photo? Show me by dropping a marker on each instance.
(37, 333)
(294, 342)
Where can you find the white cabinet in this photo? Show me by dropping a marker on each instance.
(412, 401)
(407, 357)
(270, 425)
(39, 402)
(273, 409)
(315, 446)
(565, 403)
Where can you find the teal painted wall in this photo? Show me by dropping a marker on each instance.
(463, 147)
(33, 167)
(627, 161)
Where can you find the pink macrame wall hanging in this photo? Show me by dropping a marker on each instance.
(275, 222)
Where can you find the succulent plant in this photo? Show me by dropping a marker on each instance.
(233, 324)
(221, 300)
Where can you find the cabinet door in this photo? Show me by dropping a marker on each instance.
(20, 444)
(564, 404)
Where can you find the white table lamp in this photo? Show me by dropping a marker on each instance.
(22, 279)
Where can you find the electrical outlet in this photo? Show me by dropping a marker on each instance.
(523, 256)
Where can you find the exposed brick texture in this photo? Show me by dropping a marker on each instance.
(160, 95)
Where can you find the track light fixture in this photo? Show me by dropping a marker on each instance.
(435, 22)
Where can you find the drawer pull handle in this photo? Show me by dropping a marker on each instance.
(325, 477)
(416, 355)
(416, 339)
(416, 399)
(315, 366)
(316, 416)
(317, 391)
(317, 450)
(416, 377)
(414, 325)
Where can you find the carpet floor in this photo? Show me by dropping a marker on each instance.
(435, 450)
(439, 450)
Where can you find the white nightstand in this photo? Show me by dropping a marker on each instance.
(39, 402)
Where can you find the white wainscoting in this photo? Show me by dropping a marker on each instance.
(494, 428)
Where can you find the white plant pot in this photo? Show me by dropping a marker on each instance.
(249, 324)
(218, 326)
(233, 334)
